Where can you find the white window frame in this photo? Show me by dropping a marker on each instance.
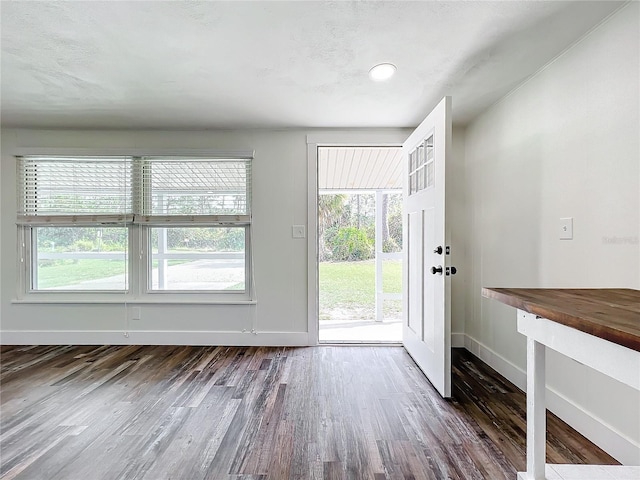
(139, 242)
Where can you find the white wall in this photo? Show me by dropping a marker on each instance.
(279, 201)
(1, 229)
(564, 144)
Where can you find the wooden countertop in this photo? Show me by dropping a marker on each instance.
(609, 313)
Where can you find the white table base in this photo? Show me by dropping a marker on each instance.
(587, 472)
(609, 358)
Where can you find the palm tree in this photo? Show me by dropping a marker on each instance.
(330, 209)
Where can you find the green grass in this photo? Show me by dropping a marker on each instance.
(75, 271)
(343, 285)
(352, 284)
(71, 272)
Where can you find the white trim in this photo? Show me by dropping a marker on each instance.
(133, 152)
(353, 139)
(312, 244)
(83, 297)
(382, 138)
(151, 337)
(379, 290)
(616, 444)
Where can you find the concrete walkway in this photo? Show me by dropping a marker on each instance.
(360, 331)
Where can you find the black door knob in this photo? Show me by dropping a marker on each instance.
(438, 250)
(453, 270)
(437, 270)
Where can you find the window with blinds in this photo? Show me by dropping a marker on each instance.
(192, 213)
(179, 190)
(63, 190)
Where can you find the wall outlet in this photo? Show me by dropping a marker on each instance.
(298, 231)
(135, 313)
(566, 228)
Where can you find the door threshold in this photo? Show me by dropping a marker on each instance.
(356, 343)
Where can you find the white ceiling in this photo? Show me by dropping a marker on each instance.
(359, 168)
(209, 64)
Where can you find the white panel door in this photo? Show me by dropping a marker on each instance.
(426, 332)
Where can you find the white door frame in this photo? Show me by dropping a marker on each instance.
(382, 138)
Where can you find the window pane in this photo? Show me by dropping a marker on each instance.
(80, 258)
(198, 258)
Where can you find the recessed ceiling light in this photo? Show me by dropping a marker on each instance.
(381, 72)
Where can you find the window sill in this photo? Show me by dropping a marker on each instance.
(78, 300)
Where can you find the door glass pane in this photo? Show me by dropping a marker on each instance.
(429, 168)
(430, 174)
(421, 166)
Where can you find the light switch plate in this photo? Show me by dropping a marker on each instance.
(566, 228)
(298, 231)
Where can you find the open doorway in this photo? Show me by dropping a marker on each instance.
(360, 244)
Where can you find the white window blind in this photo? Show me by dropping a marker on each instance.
(201, 190)
(54, 190)
(69, 191)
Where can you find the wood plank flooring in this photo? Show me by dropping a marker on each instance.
(221, 413)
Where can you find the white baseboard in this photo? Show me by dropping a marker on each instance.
(512, 372)
(115, 337)
(619, 446)
(457, 340)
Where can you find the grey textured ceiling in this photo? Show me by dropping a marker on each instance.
(207, 64)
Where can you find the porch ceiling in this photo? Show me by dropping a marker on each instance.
(359, 168)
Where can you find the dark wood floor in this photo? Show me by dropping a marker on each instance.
(190, 413)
